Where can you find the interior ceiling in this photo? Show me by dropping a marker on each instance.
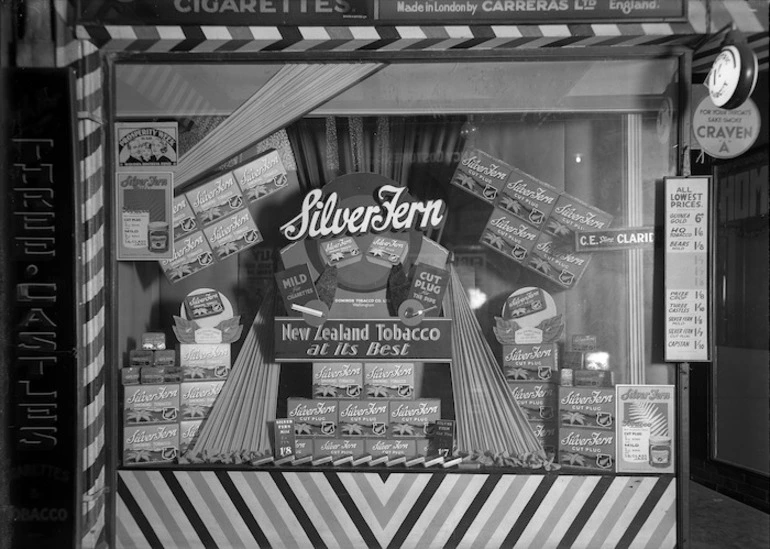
(183, 90)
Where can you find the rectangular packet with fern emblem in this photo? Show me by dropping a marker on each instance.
(590, 407)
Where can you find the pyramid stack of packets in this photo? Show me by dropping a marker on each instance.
(151, 399)
(528, 329)
(362, 413)
(587, 408)
(205, 334)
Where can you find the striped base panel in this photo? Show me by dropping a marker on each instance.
(228, 509)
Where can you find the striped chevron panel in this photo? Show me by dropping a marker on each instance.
(229, 510)
(380, 38)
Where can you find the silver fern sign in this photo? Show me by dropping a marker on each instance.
(646, 434)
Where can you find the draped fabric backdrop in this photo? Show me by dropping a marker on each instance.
(393, 146)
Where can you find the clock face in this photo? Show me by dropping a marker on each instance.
(725, 74)
(733, 76)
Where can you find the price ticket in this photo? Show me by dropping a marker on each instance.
(687, 222)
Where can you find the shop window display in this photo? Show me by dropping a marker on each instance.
(396, 278)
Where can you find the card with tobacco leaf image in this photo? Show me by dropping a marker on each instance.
(313, 417)
(364, 418)
(343, 380)
(527, 198)
(557, 261)
(233, 234)
(148, 404)
(198, 398)
(481, 174)
(586, 448)
(262, 177)
(509, 236)
(389, 380)
(570, 216)
(215, 199)
(413, 419)
(192, 253)
(150, 444)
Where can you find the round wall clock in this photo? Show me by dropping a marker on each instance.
(732, 76)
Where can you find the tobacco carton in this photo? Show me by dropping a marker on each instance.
(593, 378)
(363, 418)
(547, 433)
(538, 401)
(481, 174)
(338, 447)
(343, 380)
(216, 199)
(152, 375)
(313, 418)
(150, 444)
(587, 449)
(392, 447)
(172, 375)
(413, 419)
(583, 342)
(183, 217)
(527, 198)
(139, 358)
(590, 407)
(262, 177)
(530, 362)
(192, 253)
(204, 361)
(188, 434)
(392, 380)
(340, 252)
(232, 234)
(153, 341)
(303, 447)
(509, 236)
(151, 404)
(165, 358)
(387, 251)
(130, 375)
(197, 398)
(574, 360)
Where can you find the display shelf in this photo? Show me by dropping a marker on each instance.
(191, 509)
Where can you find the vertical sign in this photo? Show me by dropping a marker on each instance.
(686, 268)
(645, 426)
(39, 196)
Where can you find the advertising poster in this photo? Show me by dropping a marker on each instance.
(144, 216)
(688, 336)
(646, 438)
(146, 145)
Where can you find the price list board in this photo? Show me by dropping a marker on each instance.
(687, 268)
